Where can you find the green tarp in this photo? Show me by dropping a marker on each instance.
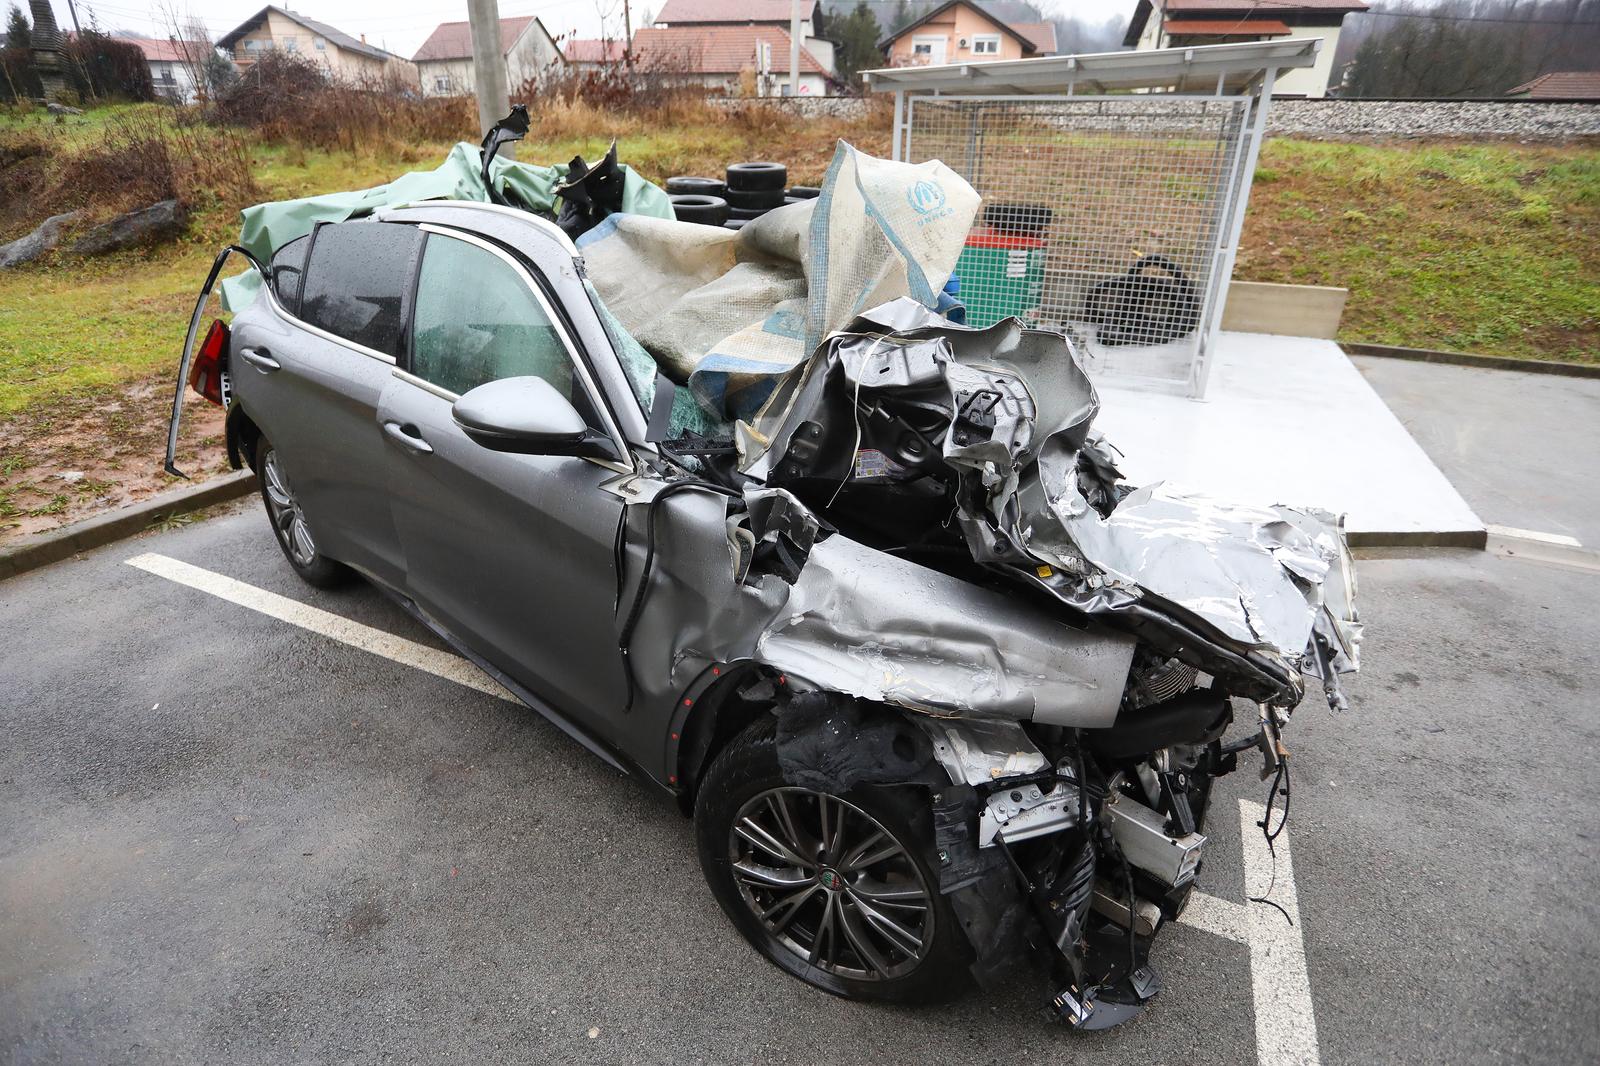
(267, 227)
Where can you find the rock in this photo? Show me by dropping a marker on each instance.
(62, 109)
(47, 236)
(143, 226)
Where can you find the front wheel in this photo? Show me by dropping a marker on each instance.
(289, 524)
(838, 890)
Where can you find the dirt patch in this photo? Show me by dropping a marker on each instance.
(85, 454)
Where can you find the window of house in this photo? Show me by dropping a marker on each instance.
(355, 281)
(291, 44)
(441, 83)
(921, 48)
(478, 321)
(252, 46)
(986, 44)
(320, 43)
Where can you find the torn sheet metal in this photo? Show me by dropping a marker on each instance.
(889, 630)
(1012, 414)
(854, 621)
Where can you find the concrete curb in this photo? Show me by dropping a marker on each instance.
(1492, 362)
(1476, 539)
(63, 543)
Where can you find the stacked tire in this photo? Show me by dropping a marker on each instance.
(749, 191)
(753, 189)
(698, 200)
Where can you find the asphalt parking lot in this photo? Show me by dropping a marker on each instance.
(227, 837)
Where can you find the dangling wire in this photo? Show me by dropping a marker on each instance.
(1279, 787)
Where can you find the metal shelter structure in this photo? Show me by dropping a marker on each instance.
(1114, 189)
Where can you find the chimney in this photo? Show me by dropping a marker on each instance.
(363, 38)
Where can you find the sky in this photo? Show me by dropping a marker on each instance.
(400, 26)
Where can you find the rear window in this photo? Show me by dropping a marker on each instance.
(356, 280)
(288, 266)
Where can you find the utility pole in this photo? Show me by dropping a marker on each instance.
(794, 47)
(627, 28)
(489, 66)
(73, 9)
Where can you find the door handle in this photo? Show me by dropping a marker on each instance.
(260, 358)
(407, 436)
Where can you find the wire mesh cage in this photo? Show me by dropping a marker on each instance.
(1107, 217)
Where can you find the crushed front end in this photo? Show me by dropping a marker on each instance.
(983, 610)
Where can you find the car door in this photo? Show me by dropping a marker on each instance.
(312, 378)
(514, 554)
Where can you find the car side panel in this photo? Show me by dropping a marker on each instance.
(319, 409)
(515, 554)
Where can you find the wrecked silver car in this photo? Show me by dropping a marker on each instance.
(745, 517)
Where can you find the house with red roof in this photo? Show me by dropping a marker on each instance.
(174, 65)
(730, 59)
(1560, 85)
(588, 52)
(1182, 23)
(723, 43)
(962, 31)
(444, 62)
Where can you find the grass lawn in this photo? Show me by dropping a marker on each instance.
(1480, 247)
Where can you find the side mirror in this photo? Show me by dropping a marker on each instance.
(528, 416)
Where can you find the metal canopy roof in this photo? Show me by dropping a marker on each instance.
(1238, 66)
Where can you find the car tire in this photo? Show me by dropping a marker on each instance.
(804, 192)
(705, 210)
(926, 961)
(686, 185)
(760, 199)
(289, 524)
(749, 177)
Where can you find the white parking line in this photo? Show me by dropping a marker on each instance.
(1286, 1028)
(443, 664)
(1286, 1023)
(1537, 536)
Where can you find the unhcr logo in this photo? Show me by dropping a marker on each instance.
(926, 197)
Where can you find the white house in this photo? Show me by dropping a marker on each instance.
(1180, 23)
(173, 66)
(444, 62)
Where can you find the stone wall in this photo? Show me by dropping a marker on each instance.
(1332, 118)
(1432, 118)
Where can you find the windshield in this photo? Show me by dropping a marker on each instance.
(641, 369)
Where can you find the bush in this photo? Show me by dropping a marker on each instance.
(287, 99)
(140, 158)
(17, 78)
(98, 66)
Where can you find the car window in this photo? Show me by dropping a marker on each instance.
(476, 321)
(355, 280)
(288, 265)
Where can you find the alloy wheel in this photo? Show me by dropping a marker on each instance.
(831, 884)
(287, 517)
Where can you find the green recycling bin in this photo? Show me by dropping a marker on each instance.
(1002, 274)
